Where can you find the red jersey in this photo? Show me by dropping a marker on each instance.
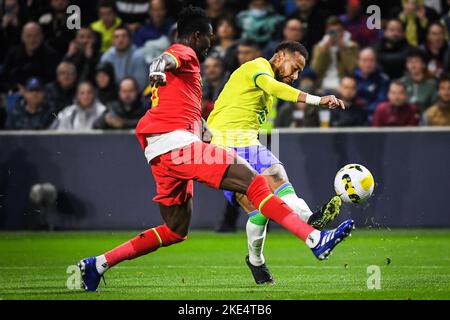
(177, 105)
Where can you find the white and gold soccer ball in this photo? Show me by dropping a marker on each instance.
(354, 183)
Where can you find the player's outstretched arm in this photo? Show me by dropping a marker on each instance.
(287, 93)
(329, 101)
(158, 67)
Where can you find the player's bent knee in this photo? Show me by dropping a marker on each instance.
(169, 237)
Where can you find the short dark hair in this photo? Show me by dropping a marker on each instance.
(349, 76)
(416, 53)
(192, 19)
(293, 46)
(444, 78)
(399, 83)
(128, 31)
(107, 4)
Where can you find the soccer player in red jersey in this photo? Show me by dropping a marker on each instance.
(170, 134)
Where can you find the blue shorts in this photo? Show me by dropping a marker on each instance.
(259, 157)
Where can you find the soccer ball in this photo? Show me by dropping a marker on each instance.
(354, 183)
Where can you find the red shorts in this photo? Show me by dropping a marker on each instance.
(176, 171)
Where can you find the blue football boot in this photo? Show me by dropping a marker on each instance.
(89, 274)
(330, 238)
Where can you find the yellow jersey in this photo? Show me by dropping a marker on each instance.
(242, 106)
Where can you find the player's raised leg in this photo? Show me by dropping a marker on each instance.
(240, 177)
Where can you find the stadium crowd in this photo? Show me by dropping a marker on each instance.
(95, 77)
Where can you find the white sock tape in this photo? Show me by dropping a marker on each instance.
(312, 99)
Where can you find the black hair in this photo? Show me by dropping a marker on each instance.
(107, 4)
(416, 53)
(192, 19)
(349, 76)
(396, 20)
(293, 46)
(122, 27)
(444, 78)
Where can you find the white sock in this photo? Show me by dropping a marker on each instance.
(298, 205)
(256, 234)
(101, 264)
(313, 239)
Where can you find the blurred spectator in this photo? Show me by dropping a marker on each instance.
(313, 18)
(297, 115)
(105, 83)
(84, 53)
(132, 12)
(10, 25)
(292, 31)
(31, 58)
(126, 60)
(154, 37)
(225, 37)
(215, 9)
(126, 112)
(436, 49)
(157, 25)
(420, 87)
(396, 111)
(355, 22)
(214, 80)
(61, 92)
(53, 23)
(439, 113)
(416, 16)
(107, 23)
(31, 111)
(260, 22)
(354, 114)
(371, 84)
(83, 113)
(226, 45)
(334, 56)
(392, 49)
(248, 50)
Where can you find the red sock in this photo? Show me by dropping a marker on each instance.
(274, 208)
(143, 243)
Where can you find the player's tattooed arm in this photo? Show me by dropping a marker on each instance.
(158, 67)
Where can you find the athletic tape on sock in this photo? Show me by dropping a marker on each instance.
(284, 189)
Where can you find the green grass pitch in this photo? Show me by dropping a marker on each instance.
(33, 265)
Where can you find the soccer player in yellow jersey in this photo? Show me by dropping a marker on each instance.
(240, 110)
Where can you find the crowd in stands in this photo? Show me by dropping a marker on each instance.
(96, 77)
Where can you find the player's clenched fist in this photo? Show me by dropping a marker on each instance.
(332, 102)
(157, 79)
